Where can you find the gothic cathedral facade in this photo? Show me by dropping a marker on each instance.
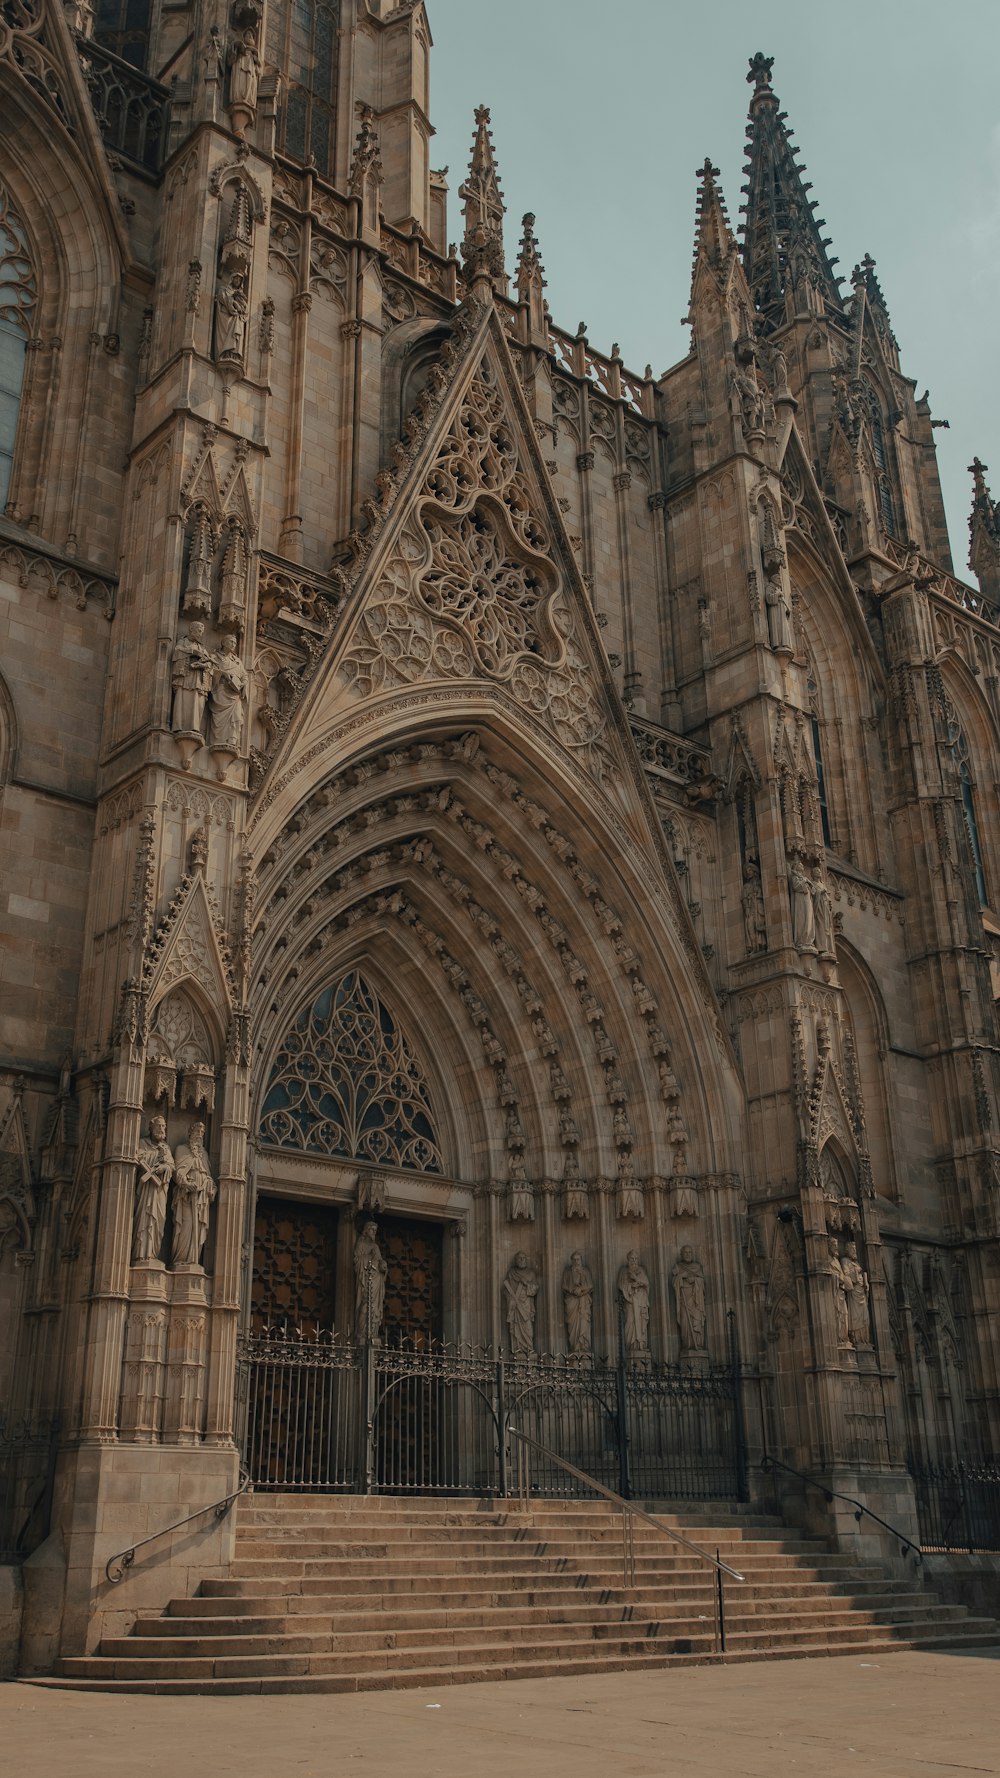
(477, 820)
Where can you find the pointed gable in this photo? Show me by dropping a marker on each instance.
(468, 579)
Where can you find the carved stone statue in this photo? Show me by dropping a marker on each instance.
(754, 924)
(823, 915)
(779, 618)
(155, 1171)
(520, 1288)
(191, 678)
(229, 698)
(231, 312)
(803, 910)
(751, 399)
(840, 1295)
(194, 1192)
(369, 1285)
(856, 1282)
(244, 74)
(688, 1280)
(578, 1306)
(633, 1290)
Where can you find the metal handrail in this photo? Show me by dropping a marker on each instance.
(860, 1509)
(125, 1558)
(627, 1506)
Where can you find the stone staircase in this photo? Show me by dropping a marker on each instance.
(336, 1594)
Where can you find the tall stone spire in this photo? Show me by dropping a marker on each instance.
(483, 210)
(984, 533)
(714, 244)
(783, 249)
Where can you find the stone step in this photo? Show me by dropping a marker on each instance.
(474, 1629)
(624, 1641)
(416, 1677)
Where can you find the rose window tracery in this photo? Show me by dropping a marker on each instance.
(345, 1082)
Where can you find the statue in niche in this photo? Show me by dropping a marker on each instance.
(155, 1172)
(688, 1280)
(779, 618)
(856, 1282)
(823, 916)
(230, 684)
(194, 1192)
(840, 1295)
(751, 400)
(633, 1293)
(578, 1306)
(191, 678)
(369, 1285)
(244, 74)
(754, 924)
(231, 314)
(520, 1287)
(803, 910)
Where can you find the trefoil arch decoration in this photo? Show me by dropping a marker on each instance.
(346, 1082)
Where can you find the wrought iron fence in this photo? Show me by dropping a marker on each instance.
(958, 1505)
(322, 1413)
(27, 1473)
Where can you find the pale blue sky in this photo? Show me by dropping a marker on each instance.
(602, 112)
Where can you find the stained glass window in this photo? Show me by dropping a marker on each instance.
(123, 27)
(302, 44)
(18, 299)
(346, 1082)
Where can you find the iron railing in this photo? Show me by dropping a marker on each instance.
(323, 1413)
(527, 1451)
(27, 1474)
(769, 1464)
(958, 1505)
(117, 1566)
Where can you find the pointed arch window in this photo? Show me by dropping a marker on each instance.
(880, 454)
(18, 302)
(302, 42)
(958, 747)
(817, 741)
(346, 1082)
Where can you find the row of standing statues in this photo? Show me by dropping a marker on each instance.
(687, 1278)
(184, 1181)
(218, 680)
(520, 1290)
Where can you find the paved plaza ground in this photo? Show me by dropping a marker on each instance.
(900, 1716)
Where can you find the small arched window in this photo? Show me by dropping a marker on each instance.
(958, 747)
(302, 44)
(18, 301)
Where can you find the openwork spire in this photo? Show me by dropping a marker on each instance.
(984, 532)
(483, 210)
(783, 248)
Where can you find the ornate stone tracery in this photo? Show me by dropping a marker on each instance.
(473, 588)
(346, 1082)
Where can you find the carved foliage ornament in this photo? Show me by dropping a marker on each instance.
(346, 1082)
(473, 590)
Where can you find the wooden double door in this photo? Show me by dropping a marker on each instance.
(302, 1277)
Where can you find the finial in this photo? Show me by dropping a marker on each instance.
(530, 273)
(367, 161)
(483, 210)
(759, 76)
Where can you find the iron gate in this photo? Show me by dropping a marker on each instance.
(323, 1414)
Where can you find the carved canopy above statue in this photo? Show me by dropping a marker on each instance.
(346, 1082)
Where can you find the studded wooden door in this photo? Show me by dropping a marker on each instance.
(294, 1266)
(413, 1293)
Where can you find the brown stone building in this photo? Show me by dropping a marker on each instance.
(452, 781)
